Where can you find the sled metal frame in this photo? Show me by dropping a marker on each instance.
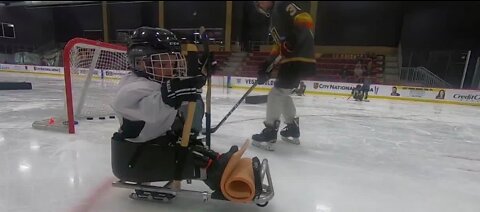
(261, 200)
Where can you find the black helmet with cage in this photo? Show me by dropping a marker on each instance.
(155, 53)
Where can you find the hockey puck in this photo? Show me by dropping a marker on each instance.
(66, 122)
(111, 117)
(89, 118)
(101, 118)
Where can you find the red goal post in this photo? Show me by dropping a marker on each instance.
(86, 61)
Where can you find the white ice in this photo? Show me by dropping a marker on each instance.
(354, 156)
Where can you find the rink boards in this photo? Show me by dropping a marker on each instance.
(396, 92)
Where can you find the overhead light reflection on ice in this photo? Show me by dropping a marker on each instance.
(74, 180)
(323, 208)
(24, 167)
(34, 146)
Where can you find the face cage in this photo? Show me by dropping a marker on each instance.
(165, 66)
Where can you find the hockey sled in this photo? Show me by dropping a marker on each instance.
(136, 171)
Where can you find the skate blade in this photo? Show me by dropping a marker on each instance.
(263, 145)
(151, 196)
(292, 140)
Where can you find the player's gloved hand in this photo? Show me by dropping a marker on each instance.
(207, 60)
(176, 91)
(264, 73)
(286, 49)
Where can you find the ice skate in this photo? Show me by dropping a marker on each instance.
(266, 139)
(291, 133)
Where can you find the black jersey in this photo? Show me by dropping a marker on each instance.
(291, 26)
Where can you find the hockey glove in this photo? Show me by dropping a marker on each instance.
(208, 63)
(286, 49)
(176, 91)
(264, 73)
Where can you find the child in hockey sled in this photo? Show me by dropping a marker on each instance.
(300, 91)
(146, 148)
(357, 93)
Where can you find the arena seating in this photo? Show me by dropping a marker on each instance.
(329, 67)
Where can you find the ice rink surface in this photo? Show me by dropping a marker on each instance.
(380, 155)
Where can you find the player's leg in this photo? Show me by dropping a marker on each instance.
(275, 104)
(365, 94)
(290, 78)
(268, 135)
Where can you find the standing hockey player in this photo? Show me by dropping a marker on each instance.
(366, 88)
(291, 29)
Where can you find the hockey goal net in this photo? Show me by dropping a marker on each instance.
(91, 72)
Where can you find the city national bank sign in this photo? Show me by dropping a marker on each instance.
(340, 87)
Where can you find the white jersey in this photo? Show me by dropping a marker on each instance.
(140, 99)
